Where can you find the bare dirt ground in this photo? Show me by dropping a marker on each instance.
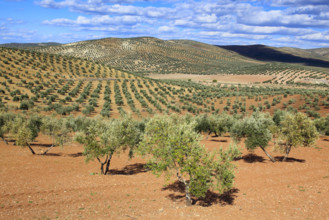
(61, 185)
(242, 79)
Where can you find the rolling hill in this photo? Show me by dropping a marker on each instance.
(29, 45)
(284, 55)
(151, 55)
(48, 83)
(147, 55)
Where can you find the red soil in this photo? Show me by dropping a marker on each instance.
(61, 185)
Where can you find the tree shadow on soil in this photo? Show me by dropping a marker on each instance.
(210, 199)
(251, 158)
(9, 141)
(290, 159)
(51, 154)
(79, 154)
(131, 169)
(218, 140)
(41, 145)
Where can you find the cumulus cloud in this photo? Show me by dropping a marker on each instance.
(298, 2)
(54, 4)
(95, 21)
(320, 37)
(166, 29)
(275, 20)
(206, 18)
(281, 18)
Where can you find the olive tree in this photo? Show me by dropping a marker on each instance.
(217, 124)
(5, 119)
(2, 125)
(173, 147)
(297, 130)
(57, 129)
(102, 139)
(322, 125)
(256, 130)
(222, 123)
(78, 124)
(25, 130)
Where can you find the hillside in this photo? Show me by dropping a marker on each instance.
(324, 52)
(50, 83)
(29, 45)
(319, 53)
(284, 55)
(151, 55)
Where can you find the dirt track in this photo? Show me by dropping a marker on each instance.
(238, 79)
(61, 185)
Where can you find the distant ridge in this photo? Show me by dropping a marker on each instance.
(285, 55)
(321, 51)
(149, 55)
(29, 45)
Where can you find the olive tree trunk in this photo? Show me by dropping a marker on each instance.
(267, 154)
(53, 145)
(188, 199)
(288, 148)
(32, 151)
(107, 162)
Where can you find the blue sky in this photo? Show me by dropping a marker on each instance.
(293, 23)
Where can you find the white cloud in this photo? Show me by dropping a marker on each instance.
(210, 33)
(95, 21)
(298, 2)
(246, 20)
(21, 34)
(323, 37)
(206, 18)
(249, 36)
(166, 29)
(54, 4)
(281, 18)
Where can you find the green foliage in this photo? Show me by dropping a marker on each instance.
(104, 138)
(322, 125)
(5, 120)
(24, 135)
(202, 123)
(78, 124)
(256, 130)
(297, 130)
(24, 105)
(313, 114)
(174, 148)
(218, 124)
(278, 116)
(25, 129)
(57, 129)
